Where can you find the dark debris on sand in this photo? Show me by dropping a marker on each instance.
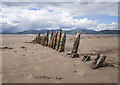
(22, 46)
(6, 47)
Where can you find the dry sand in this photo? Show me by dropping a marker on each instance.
(32, 63)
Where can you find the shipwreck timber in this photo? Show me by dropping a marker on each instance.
(47, 38)
(76, 43)
(58, 39)
(98, 61)
(62, 42)
(37, 39)
(55, 40)
(58, 43)
(50, 41)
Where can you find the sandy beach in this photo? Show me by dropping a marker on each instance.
(24, 62)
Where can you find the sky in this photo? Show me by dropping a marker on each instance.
(22, 16)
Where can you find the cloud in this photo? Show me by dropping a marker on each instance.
(114, 25)
(26, 16)
(61, 1)
(73, 8)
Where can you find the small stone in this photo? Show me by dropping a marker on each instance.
(59, 78)
(74, 65)
(76, 70)
(75, 55)
(22, 47)
(48, 77)
(10, 48)
(68, 53)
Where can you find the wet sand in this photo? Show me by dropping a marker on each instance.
(24, 62)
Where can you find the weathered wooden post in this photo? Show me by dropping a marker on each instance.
(38, 38)
(55, 40)
(86, 58)
(50, 39)
(43, 40)
(62, 42)
(99, 61)
(47, 38)
(51, 44)
(58, 39)
(75, 45)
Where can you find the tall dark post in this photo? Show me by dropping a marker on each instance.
(43, 40)
(55, 40)
(50, 39)
(58, 39)
(62, 43)
(47, 38)
(76, 43)
(38, 38)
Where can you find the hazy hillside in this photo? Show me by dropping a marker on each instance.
(83, 31)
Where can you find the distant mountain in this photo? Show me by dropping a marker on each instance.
(36, 31)
(107, 32)
(83, 31)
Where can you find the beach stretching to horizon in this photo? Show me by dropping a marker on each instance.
(59, 41)
(26, 62)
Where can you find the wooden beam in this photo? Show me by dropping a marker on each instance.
(38, 38)
(76, 43)
(62, 42)
(55, 40)
(47, 38)
(58, 39)
(50, 39)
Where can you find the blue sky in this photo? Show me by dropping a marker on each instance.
(26, 16)
(35, 9)
(100, 17)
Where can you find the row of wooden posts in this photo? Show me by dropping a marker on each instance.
(56, 41)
